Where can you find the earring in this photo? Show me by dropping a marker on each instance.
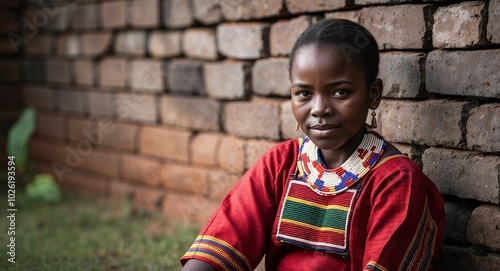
(297, 126)
(374, 120)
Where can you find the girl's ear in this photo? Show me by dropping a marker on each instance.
(375, 93)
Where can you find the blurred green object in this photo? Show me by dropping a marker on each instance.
(43, 188)
(18, 139)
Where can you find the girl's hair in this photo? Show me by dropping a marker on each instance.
(356, 43)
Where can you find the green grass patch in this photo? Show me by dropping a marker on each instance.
(89, 233)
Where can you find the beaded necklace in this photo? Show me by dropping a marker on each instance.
(327, 181)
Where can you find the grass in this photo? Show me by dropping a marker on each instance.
(88, 233)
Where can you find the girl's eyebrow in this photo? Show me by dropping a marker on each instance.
(331, 84)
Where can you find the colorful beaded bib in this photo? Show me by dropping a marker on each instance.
(318, 204)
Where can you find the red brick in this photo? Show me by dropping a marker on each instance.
(219, 183)
(164, 44)
(10, 22)
(458, 25)
(121, 190)
(255, 149)
(95, 44)
(453, 170)
(245, 10)
(10, 70)
(177, 13)
(231, 154)
(72, 101)
(446, 74)
(114, 14)
(483, 128)
(144, 13)
(147, 75)
(84, 71)
(50, 125)
(39, 45)
(122, 136)
(468, 258)
(139, 107)
(38, 97)
(247, 40)
(402, 74)
(58, 71)
(204, 149)
(6, 48)
(227, 80)
(48, 151)
(405, 31)
(165, 143)
(183, 178)
(68, 45)
(100, 104)
(61, 20)
(100, 162)
(189, 208)
(150, 198)
(195, 113)
(113, 72)
(207, 11)
(33, 70)
(284, 33)
(200, 43)
(185, 76)
(297, 6)
(270, 77)
(85, 16)
(483, 226)
(85, 182)
(76, 127)
(351, 15)
(493, 27)
(259, 118)
(130, 42)
(141, 169)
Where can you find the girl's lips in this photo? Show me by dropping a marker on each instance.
(325, 126)
(323, 130)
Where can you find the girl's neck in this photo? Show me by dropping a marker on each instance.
(335, 158)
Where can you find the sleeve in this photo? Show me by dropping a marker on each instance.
(406, 224)
(235, 237)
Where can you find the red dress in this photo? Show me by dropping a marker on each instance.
(395, 221)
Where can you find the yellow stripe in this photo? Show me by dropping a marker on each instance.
(326, 207)
(312, 226)
(373, 263)
(241, 255)
(222, 254)
(208, 256)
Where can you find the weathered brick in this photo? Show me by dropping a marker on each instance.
(227, 80)
(493, 28)
(432, 122)
(38, 96)
(207, 11)
(284, 34)
(467, 258)
(288, 122)
(61, 19)
(58, 71)
(243, 40)
(84, 71)
(185, 76)
(72, 101)
(245, 10)
(183, 177)
(483, 128)
(366, 2)
(200, 43)
(407, 30)
(453, 170)
(48, 151)
(270, 77)
(95, 44)
(121, 190)
(68, 44)
(458, 25)
(351, 15)
(10, 22)
(231, 154)
(457, 216)
(165, 143)
(254, 150)
(204, 149)
(85, 16)
(144, 13)
(483, 228)
(85, 182)
(151, 198)
(113, 72)
(12, 96)
(402, 74)
(142, 169)
(120, 136)
(164, 43)
(446, 74)
(39, 45)
(33, 70)
(97, 161)
(219, 183)
(177, 13)
(139, 107)
(130, 42)
(195, 113)
(147, 75)
(100, 104)
(257, 119)
(188, 208)
(50, 125)
(6, 48)
(76, 127)
(114, 14)
(297, 6)
(10, 70)
(413, 151)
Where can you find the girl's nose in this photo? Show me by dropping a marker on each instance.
(320, 107)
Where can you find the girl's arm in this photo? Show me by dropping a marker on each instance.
(197, 265)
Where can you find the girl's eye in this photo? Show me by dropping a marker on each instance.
(302, 93)
(340, 92)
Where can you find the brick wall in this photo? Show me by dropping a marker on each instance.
(170, 101)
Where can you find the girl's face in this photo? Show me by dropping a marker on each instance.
(330, 97)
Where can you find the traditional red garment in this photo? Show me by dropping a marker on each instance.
(393, 220)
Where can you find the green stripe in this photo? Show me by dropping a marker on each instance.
(330, 218)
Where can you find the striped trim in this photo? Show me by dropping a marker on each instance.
(220, 252)
(372, 265)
